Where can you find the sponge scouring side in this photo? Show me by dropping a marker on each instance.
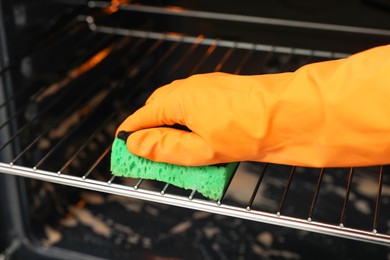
(210, 181)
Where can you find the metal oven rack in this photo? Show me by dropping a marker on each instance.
(183, 55)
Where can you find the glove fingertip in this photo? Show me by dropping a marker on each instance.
(171, 146)
(137, 143)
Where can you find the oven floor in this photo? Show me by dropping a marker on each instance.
(115, 227)
(140, 230)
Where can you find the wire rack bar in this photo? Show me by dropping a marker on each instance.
(209, 41)
(286, 190)
(196, 204)
(378, 200)
(317, 190)
(254, 192)
(346, 198)
(241, 18)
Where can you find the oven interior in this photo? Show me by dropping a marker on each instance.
(72, 71)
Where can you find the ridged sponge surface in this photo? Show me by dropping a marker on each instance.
(207, 180)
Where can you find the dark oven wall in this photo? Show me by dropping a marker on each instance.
(43, 42)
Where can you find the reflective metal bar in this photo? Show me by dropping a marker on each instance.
(111, 179)
(136, 186)
(160, 61)
(164, 189)
(209, 51)
(35, 118)
(313, 203)
(264, 62)
(342, 217)
(286, 62)
(192, 195)
(43, 42)
(185, 56)
(254, 193)
(59, 118)
(14, 115)
(70, 76)
(221, 43)
(153, 48)
(76, 72)
(113, 114)
(219, 201)
(90, 138)
(243, 18)
(68, 111)
(224, 59)
(378, 200)
(146, 55)
(66, 136)
(286, 190)
(150, 50)
(243, 61)
(96, 163)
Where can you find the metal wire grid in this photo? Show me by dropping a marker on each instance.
(179, 11)
(223, 57)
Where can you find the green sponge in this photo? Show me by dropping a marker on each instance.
(207, 180)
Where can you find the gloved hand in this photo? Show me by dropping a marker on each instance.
(326, 114)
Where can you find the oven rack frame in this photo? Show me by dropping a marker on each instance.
(179, 11)
(217, 207)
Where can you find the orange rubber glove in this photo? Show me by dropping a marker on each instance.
(326, 114)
